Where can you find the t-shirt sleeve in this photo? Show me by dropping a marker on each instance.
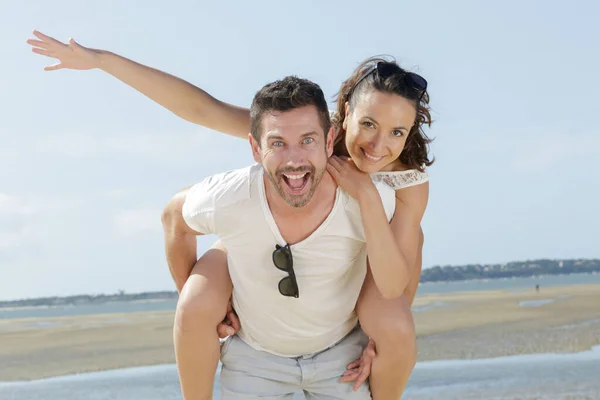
(199, 207)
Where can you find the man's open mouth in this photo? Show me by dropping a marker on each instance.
(296, 181)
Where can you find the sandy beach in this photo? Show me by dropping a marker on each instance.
(449, 326)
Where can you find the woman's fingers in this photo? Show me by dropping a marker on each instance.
(54, 67)
(38, 43)
(75, 46)
(333, 171)
(48, 39)
(42, 52)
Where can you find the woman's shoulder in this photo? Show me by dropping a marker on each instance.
(401, 179)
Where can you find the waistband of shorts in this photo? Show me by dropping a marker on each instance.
(311, 355)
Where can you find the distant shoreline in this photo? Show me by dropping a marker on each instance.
(450, 326)
(146, 297)
(87, 300)
(48, 306)
(506, 278)
(515, 269)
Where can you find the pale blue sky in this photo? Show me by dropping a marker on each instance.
(86, 163)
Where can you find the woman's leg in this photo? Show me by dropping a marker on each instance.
(201, 307)
(390, 324)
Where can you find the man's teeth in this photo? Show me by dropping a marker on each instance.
(295, 176)
(370, 157)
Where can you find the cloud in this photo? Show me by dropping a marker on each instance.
(135, 222)
(15, 214)
(555, 151)
(540, 152)
(15, 238)
(37, 218)
(13, 206)
(117, 194)
(158, 147)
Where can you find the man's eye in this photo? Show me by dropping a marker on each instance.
(308, 140)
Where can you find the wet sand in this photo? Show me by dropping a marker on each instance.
(499, 323)
(449, 326)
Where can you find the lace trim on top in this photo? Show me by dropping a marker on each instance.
(401, 179)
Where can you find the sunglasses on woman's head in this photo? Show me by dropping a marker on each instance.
(282, 258)
(386, 69)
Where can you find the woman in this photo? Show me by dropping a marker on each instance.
(381, 110)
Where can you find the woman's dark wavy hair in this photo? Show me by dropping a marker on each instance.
(415, 153)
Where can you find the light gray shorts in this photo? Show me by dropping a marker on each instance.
(252, 374)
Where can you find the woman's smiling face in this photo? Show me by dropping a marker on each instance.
(377, 128)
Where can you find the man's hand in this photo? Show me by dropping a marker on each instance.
(230, 325)
(359, 370)
(70, 56)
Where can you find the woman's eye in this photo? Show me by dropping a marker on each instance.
(397, 133)
(368, 124)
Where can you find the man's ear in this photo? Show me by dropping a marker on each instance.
(255, 148)
(346, 115)
(330, 141)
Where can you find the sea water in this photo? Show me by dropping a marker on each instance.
(536, 376)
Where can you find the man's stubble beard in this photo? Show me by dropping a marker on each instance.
(296, 201)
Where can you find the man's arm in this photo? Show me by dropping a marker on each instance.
(180, 243)
(180, 240)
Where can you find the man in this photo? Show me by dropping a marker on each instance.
(296, 251)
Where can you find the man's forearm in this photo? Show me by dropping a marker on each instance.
(181, 254)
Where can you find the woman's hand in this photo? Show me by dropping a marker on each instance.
(352, 180)
(70, 56)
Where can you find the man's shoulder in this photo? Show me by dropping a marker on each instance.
(231, 184)
(223, 194)
(225, 188)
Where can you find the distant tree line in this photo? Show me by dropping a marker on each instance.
(517, 269)
(90, 299)
(434, 274)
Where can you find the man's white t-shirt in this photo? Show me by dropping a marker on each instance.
(330, 265)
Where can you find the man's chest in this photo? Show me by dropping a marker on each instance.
(296, 230)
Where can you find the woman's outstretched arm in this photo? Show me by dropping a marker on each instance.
(178, 96)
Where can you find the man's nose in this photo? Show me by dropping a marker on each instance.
(295, 157)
